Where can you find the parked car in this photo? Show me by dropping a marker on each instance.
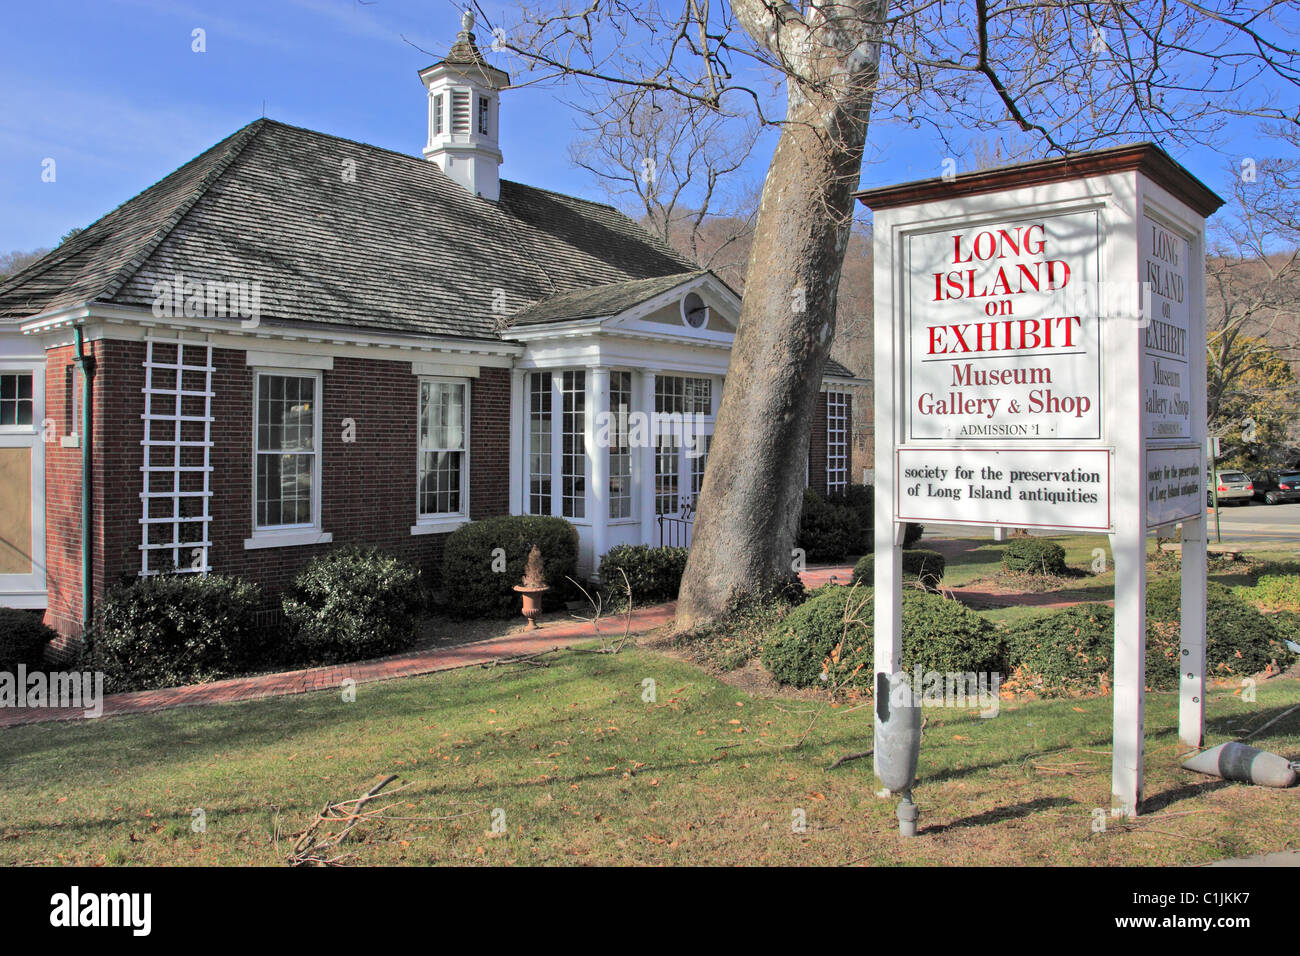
(1235, 487)
(1275, 487)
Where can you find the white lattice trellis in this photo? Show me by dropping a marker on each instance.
(177, 469)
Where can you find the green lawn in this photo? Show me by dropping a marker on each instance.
(587, 772)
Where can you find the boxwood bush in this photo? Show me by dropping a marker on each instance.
(474, 589)
(351, 604)
(174, 629)
(654, 574)
(1064, 652)
(1030, 555)
(829, 531)
(938, 634)
(921, 565)
(22, 639)
(861, 500)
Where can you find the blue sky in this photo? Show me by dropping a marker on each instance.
(112, 92)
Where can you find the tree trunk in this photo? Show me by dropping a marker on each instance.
(749, 505)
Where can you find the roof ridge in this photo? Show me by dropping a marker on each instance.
(237, 143)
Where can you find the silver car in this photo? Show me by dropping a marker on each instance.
(1234, 487)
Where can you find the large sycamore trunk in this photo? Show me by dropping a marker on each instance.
(749, 505)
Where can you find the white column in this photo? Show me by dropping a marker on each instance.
(518, 438)
(598, 457)
(645, 462)
(1191, 659)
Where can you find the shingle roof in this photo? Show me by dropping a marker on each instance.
(834, 369)
(341, 233)
(600, 301)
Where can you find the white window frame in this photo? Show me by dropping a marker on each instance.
(838, 416)
(557, 445)
(35, 425)
(632, 496)
(442, 522)
(281, 536)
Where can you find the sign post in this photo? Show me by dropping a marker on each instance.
(1040, 363)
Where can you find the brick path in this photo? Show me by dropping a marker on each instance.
(547, 636)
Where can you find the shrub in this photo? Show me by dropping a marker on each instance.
(938, 635)
(22, 639)
(1274, 592)
(474, 589)
(922, 565)
(654, 574)
(174, 629)
(1065, 651)
(861, 500)
(353, 603)
(828, 531)
(1240, 640)
(1030, 555)
(912, 533)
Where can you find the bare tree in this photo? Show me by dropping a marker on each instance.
(1058, 74)
(672, 168)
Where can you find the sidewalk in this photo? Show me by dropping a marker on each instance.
(546, 637)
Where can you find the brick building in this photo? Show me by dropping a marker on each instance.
(295, 341)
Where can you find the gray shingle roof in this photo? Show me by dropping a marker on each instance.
(834, 369)
(398, 246)
(600, 301)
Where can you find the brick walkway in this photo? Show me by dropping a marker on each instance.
(546, 637)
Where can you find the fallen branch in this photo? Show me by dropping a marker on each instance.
(847, 757)
(308, 851)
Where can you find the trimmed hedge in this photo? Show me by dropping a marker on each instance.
(861, 500)
(474, 589)
(1030, 555)
(938, 634)
(22, 639)
(352, 604)
(829, 531)
(173, 629)
(912, 533)
(1064, 652)
(654, 574)
(921, 564)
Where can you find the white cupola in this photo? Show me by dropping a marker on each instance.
(464, 125)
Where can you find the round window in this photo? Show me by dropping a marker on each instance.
(694, 312)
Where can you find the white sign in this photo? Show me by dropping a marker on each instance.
(1166, 375)
(1174, 485)
(1003, 340)
(1018, 487)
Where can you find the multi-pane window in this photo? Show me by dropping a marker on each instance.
(573, 450)
(620, 451)
(287, 457)
(539, 443)
(443, 409)
(666, 458)
(437, 114)
(691, 396)
(16, 398)
(701, 451)
(483, 115)
(837, 441)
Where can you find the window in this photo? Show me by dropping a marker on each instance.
(666, 459)
(287, 469)
(483, 115)
(573, 451)
(837, 442)
(620, 452)
(539, 443)
(16, 398)
(437, 114)
(690, 396)
(443, 428)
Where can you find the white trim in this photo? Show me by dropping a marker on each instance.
(28, 590)
(443, 525)
(255, 359)
(286, 539)
(451, 371)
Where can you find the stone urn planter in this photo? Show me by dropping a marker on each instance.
(533, 587)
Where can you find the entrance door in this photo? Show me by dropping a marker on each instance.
(22, 487)
(679, 475)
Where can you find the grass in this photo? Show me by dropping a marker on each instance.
(587, 771)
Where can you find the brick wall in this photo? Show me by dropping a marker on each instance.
(368, 490)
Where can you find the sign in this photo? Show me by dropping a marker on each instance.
(1003, 339)
(1175, 485)
(1166, 372)
(1022, 488)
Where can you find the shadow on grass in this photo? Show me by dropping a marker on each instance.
(1002, 814)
